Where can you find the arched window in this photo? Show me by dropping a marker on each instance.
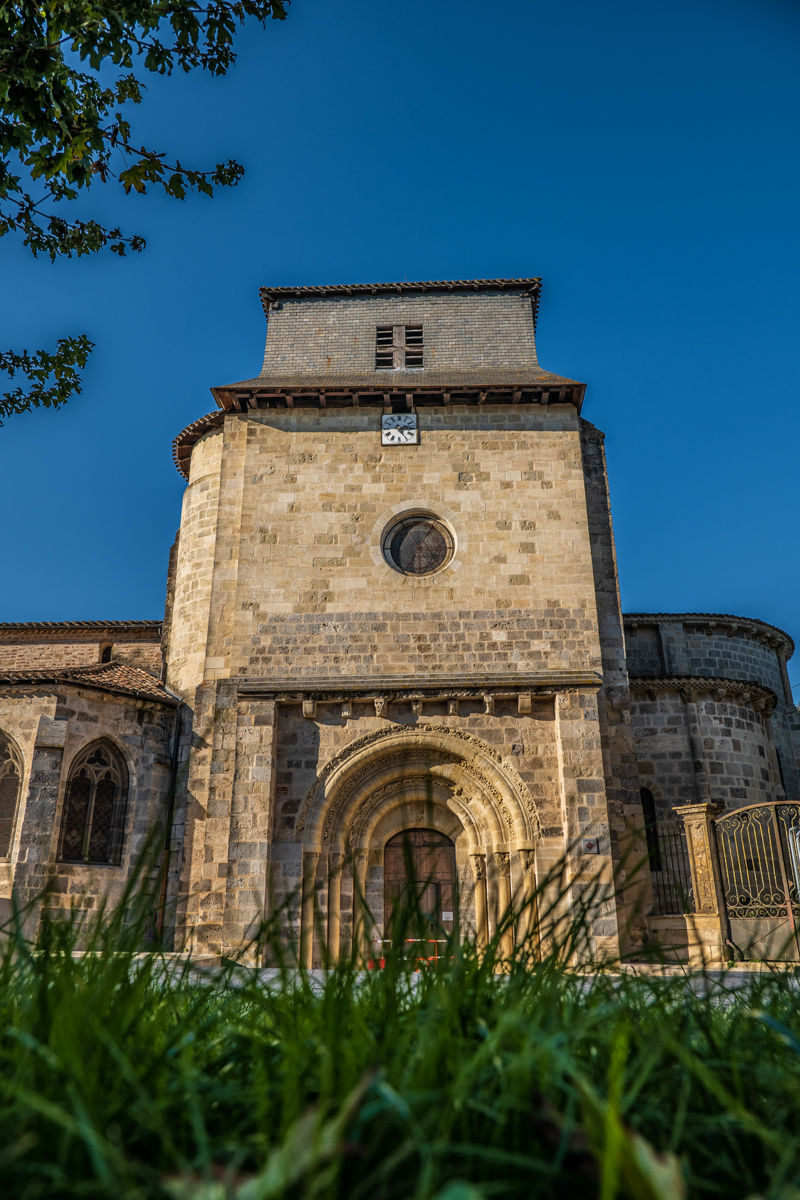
(94, 806)
(651, 828)
(10, 779)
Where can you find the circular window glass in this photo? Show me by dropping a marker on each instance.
(418, 544)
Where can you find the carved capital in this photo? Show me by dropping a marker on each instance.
(478, 866)
(528, 859)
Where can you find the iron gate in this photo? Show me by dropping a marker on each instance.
(758, 849)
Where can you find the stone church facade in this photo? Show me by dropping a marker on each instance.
(392, 606)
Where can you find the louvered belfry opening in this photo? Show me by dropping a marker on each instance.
(398, 346)
(94, 807)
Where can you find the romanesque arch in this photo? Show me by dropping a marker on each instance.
(403, 778)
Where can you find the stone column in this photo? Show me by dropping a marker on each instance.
(787, 687)
(481, 915)
(359, 902)
(307, 911)
(335, 860)
(39, 838)
(502, 899)
(765, 713)
(707, 925)
(525, 896)
(696, 743)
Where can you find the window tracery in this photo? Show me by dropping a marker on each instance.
(94, 806)
(10, 780)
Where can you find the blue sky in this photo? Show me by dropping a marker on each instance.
(641, 158)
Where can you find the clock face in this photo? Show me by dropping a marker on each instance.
(399, 429)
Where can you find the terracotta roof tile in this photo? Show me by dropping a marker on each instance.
(531, 284)
(89, 626)
(106, 677)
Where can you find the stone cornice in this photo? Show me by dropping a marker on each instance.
(693, 687)
(411, 687)
(760, 631)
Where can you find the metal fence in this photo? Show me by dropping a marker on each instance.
(670, 874)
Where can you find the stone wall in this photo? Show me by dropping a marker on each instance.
(686, 646)
(695, 747)
(51, 726)
(280, 570)
(257, 761)
(707, 645)
(194, 567)
(619, 755)
(31, 647)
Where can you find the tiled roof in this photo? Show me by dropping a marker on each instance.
(531, 284)
(759, 629)
(404, 381)
(184, 443)
(106, 677)
(80, 626)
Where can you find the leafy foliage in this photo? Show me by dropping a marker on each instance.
(52, 377)
(70, 71)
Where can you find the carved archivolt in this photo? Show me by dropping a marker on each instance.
(398, 765)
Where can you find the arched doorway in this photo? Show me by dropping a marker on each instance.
(428, 780)
(420, 883)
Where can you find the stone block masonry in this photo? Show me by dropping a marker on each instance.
(330, 688)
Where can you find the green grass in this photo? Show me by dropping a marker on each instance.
(125, 1076)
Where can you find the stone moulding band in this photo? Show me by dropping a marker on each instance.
(709, 687)
(412, 687)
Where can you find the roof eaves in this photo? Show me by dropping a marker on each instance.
(531, 284)
(79, 626)
(104, 677)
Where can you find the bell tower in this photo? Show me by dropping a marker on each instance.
(394, 608)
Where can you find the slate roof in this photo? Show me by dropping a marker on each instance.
(105, 677)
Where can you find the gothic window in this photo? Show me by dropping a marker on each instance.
(10, 779)
(398, 346)
(94, 806)
(651, 828)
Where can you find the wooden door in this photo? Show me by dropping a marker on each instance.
(419, 871)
